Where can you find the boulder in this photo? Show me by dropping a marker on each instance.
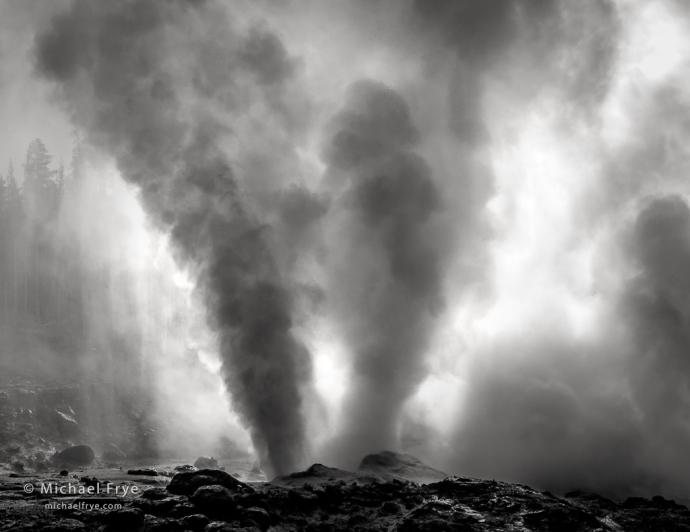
(145, 471)
(214, 501)
(159, 524)
(219, 526)
(76, 455)
(182, 509)
(188, 482)
(206, 462)
(155, 494)
(258, 516)
(194, 522)
(127, 518)
(160, 507)
(302, 499)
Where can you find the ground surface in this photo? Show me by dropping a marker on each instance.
(213, 500)
(131, 491)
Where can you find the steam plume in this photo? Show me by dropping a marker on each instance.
(126, 77)
(392, 288)
(500, 234)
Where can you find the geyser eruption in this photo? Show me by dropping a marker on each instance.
(390, 291)
(475, 211)
(131, 81)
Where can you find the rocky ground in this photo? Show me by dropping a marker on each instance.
(51, 482)
(39, 418)
(320, 499)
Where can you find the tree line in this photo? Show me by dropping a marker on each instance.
(41, 275)
(59, 289)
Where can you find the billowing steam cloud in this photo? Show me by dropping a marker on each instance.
(389, 288)
(117, 66)
(485, 202)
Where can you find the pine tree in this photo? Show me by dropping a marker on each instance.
(40, 188)
(40, 191)
(14, 213)
(58, 250)
(36, 168)
(13, 196)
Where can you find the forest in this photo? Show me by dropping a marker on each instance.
(40, 292)
(61, 300)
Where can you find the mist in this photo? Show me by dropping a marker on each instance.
(455, 229)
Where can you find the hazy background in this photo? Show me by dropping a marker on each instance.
(458, 229)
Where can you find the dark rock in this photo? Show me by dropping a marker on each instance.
(432, 524)
(637, 502)
(90, 481)
(357, 519)
(129, 518)
(147, 471)
(155, 494)
(214, 501)
(76, 455)
(158, 524)
(302, 500)
(219, 526)
(258, 516)
(65, 525)
(158, 508)
(561, 519)
(64, 473)
(661, 502)
(194, 522)
(182, 510)
(187, 483)
(206, 462)
(315, 473)
(390, 508)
